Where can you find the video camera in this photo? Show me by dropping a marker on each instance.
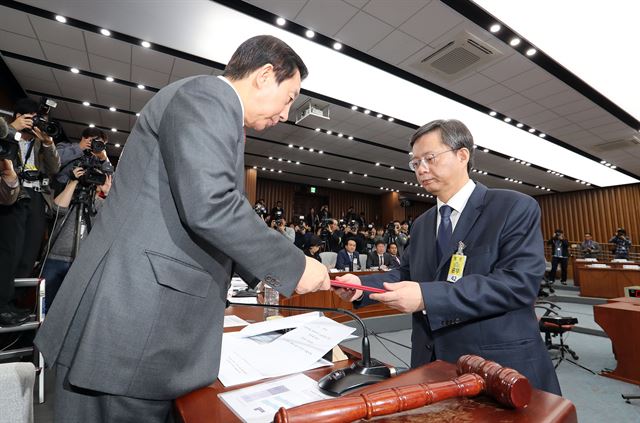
(93, 172)
(278, 218)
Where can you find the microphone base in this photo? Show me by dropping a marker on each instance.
(357, 375)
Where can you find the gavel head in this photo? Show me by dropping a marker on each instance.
(506, 385)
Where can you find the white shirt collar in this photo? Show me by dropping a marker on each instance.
(235, 91)
(460, 198)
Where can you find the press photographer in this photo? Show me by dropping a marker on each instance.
(70, 230)
(23, 224)
(621, 244)
(559, 255)
(394, 235)
(90, 153)
(330, 235)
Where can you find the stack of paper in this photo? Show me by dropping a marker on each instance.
(257, 352)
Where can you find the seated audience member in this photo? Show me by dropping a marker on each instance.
(589, 248)
(392, 249)
(347, 256)
(379, 257)
(621, 244)
(61, 255)
(313, 248)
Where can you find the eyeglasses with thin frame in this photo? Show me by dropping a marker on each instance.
(428, 160)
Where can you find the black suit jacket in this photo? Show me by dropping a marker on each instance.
(373, 260)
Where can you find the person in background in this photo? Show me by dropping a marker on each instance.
(559, 255)
(313, 249)
(589, 248)
(621, 244)
(9, 183)
(379, 257)
(347, 256)
(392, 249)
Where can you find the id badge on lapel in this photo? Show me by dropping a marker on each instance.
(456, 268)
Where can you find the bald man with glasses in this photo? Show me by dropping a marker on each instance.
(472, 271)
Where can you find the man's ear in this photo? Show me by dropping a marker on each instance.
(263, 75)
(464, 155)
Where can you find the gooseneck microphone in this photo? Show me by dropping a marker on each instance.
(361, 373)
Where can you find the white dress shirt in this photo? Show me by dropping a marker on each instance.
(457, 203)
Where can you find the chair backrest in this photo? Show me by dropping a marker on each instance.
(16, 398)
(329, 258)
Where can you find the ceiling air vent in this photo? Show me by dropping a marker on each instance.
(618, 144)
(458, 58)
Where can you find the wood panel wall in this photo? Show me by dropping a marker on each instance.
(339, 200)
(599, 211)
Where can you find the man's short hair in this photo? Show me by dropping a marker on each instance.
(350, 240)
(587, 233)
(25, 106)
(454, 134)
(95, 132)
(261, 50)
(379, 242)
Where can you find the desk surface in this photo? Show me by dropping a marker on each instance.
(204, 406)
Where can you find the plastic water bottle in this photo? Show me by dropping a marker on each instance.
(271, 297)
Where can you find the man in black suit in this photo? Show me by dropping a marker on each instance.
(379, 257)
(347, 256)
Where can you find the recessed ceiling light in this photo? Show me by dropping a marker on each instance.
(340, 135)
(290, 145)
(329, 132)
(365, 175)
(255, 167)
(507, 119)
(532, 130)
(391, 119)
(392, 167)
(91, 125)
(109, 78)
(86, 103)
(264, 168)
(342, 182)
(118, 146)
(320, 152)
(337, 46)
(367, 111)
(379, 115)
(328, 179)
(281, 21)
(297, 162)
(280, 159)
(614, 167)
(354, 107)
(514, 42)
(137, 114)
(279, 171)
(105, 32)
(288, 161)
(486, 150)
(350, 138)
(310, 33)
(531, 51)
(145, 44)
(492, 113)
(75, 70)
(519, 125)
(114, 130)
(141, 87)
(511, 158)
(270, 157)
(113, 109)
(61, 19)
(271, 170)
(311, 150)
(317, 129)
(301, 148)
(405, 182)
(603, 161)
(542, 135)
(495, 28)
(378, 164)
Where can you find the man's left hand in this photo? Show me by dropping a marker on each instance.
(101, 155)
(46, 139)
(405, 296)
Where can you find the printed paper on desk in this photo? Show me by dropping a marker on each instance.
(279, 324)
(232, 321)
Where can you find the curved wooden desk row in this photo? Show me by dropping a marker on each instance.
(606, 282)
(204, 406)
(620, 319)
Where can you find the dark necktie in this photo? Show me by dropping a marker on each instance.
(380, 262)
(444, 231)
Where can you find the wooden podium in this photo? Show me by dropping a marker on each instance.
(204, 406)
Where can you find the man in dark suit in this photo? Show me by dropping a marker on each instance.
(379, 257)
(487, 308)
(138, 320)
(347, 255)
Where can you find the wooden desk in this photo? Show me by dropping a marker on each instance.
(606, 282)
(630, 300)
(621, 321)
(204, 406)
(579, 265)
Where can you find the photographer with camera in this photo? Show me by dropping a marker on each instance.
(22, 223)
(351, 232)
(61, 254)
(279, 223)
(589, 248)
(394, 235)
(330, 235)
(621, 244)
(559, 254)
(89, 152)
(277, 210)
(260, 208)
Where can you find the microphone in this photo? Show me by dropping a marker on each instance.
(364, 372)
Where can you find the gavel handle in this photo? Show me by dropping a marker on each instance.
(381, 403)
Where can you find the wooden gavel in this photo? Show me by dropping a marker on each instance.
(476, 376)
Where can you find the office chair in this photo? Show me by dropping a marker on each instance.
(552, 324)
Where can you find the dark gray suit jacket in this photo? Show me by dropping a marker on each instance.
(490, 310)
(140, 312)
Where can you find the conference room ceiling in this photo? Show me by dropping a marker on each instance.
(39, 52)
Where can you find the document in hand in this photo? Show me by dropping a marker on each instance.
(267, 354)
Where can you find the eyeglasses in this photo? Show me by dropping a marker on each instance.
(428, 160)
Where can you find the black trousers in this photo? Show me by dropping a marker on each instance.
(563, 268)
(22, 228)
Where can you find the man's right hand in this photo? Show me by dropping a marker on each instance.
(347, 294)
(314, 278)
(85, 143)
(23, 122)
